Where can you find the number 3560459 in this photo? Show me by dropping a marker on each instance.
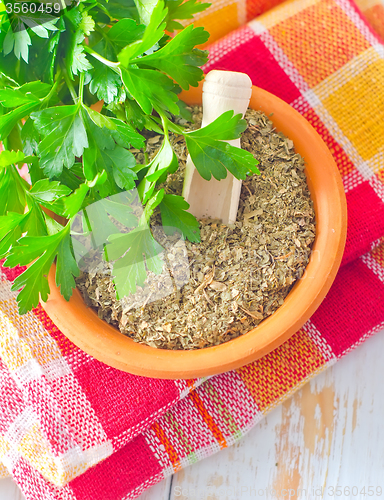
(33, 8)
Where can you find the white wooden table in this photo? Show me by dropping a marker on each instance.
(325, 442)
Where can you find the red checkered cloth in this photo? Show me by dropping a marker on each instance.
(73, 428)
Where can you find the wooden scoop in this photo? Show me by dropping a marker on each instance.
(222, 91)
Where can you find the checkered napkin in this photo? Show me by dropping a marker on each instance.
(73, 428)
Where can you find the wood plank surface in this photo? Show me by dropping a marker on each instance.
(325, 442)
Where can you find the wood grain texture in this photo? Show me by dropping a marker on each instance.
(325, 442)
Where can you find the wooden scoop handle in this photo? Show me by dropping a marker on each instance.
(224, 91)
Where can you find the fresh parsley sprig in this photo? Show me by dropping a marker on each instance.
(53, 72)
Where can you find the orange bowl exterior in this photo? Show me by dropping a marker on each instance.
(82, 326)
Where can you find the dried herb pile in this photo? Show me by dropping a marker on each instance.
(239, 274)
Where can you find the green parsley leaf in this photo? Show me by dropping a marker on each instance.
(180, 9)
(226, 127)
(104, 155)
(29, 137)
(45, 190)
(71, 178)
(13, 141)
(99, 119)
(10, 157)
(33, 281)
(179, 59)
(165, 160)
(138, 119)
(134, 252)
(125, 32)
(122, 212)
(73, 203)
(214, 157)
(76, 60)
(94, 161)
(73, 18)
(66, 267)
(121, 162)
(174, 214)
(120, 9)
(126, 136)
(105, 83)
(97, 222)
(34, 222)
(10, 231)
(151, 89)
(87, 24)
(12, 191)
(98, 226)
(152, 34)
(39, 22)
(64, 137)
(42, 30)
(13, 225)
(151, 204)
(101, 135)
(52, 225)
(44, 58)
(19, 42)
(10, 120)
(145, 9)
(30, 92)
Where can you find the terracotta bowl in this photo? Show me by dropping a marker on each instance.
(83, 327)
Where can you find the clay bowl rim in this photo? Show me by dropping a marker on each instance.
(82, 326)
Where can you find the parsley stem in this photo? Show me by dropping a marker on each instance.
(178, 129)
(164, 121)
(81, 87)
(115, 66)
(101, 7)
(70, 86)
(54, 87)
(89, 228)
